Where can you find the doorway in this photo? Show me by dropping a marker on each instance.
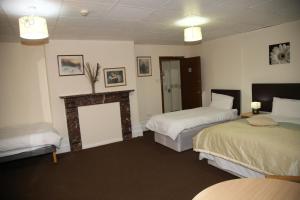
(171, 85)
(180, 83)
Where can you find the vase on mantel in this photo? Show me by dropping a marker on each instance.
(93, 88)
(92, 74)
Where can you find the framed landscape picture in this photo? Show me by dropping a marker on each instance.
(114, 77)
(144, 67)
(70, 65)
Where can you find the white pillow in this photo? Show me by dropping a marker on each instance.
(221, 101)
(286, 107)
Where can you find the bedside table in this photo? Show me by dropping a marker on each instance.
(247, 115)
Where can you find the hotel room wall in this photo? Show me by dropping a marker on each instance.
(235, 62)
(109, 54)
(23, 85)
(149, 88)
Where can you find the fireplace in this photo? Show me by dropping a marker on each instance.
(72, 102)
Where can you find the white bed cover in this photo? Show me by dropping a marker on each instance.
(23, 138)
(171, 124)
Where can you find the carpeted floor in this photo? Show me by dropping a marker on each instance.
(136, 169)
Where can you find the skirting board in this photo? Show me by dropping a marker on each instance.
(64, 148)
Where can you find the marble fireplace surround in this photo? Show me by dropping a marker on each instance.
(72, 102)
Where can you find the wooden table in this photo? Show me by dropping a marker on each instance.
(251, 189)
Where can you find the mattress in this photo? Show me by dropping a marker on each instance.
(30, 152)
(230, 167)
(173, 123)
(265, 149)
(18, 139)
(183, 141)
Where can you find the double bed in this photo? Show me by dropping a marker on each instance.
(248, 150)
(175, 130)
(28, 140)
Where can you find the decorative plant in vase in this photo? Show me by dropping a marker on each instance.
(92, 74)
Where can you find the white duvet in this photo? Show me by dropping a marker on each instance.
(21, 138)
(171, 124)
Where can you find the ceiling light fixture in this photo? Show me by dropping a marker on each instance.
(33, 27)
(84, 12)
(192, 34)
(191, 21)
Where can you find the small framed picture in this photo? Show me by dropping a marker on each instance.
(144, 67)
(70, 65)
(279, 53)
(114, 77)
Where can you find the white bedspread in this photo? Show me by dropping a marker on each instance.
(21, 138)
(171, 124)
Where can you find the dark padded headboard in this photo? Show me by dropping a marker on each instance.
(236, 94)
(264, 93)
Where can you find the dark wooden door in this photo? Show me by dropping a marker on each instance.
(191, 89)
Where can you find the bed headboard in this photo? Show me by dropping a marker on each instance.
(264, 93)
(236, 94)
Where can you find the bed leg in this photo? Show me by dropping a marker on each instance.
(54, 157)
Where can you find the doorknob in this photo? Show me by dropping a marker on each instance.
(169, 90)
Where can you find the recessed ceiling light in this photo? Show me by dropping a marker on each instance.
(191, 21)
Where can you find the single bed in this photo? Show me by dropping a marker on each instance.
(251, 151)
(28, 140)
(176, 129)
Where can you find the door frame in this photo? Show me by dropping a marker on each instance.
(166, 58)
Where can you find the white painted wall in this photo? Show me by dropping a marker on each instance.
(237, 61)
(149, 88)
(23, 85)
(109, 54)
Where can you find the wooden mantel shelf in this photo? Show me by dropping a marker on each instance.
(72, 102)
(95, 94)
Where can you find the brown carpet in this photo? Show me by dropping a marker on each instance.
(137, 169)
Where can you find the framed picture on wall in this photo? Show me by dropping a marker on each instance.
(279, 53)
(114, 77)
(70, 65)
(144, 67)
